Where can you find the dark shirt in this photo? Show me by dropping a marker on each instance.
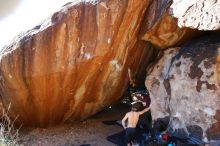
(145, 99)
(142, 95)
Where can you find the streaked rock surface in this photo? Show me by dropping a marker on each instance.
(160, 28)
(74, 63)
(184, 83)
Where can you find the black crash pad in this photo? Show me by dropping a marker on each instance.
(112, 122)
(120, 140)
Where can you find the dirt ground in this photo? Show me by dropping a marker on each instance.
(92, 131)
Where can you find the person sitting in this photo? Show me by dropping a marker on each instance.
(132, 118)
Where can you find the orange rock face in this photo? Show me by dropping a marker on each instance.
(160, 28)
(73, 64)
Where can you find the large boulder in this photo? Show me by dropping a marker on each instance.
(160, 28)
(184, 84)
(197, 14)
(74, 63)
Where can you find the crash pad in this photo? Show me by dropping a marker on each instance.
(120, 140)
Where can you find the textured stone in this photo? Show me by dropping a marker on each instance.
(74, 63)
(197, 14)
(184, 84)
(160, 28)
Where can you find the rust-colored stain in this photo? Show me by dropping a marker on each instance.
(207, 56)
(75, 63)
(166, 84)
(213, 132)
(218, 67)
(208, 86)
(178, 64)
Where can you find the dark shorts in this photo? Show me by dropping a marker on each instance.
(130, 135)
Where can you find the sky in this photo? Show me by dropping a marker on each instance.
(21, 15)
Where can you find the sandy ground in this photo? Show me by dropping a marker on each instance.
(91, 131)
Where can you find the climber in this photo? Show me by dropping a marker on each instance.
(145, 120)
(138, 90)
(140, 94)
(130, 120)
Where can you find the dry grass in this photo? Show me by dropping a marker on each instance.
(8, 133)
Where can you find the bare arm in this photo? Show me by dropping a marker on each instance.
(143, 111)
(131, 78)
(123, 120)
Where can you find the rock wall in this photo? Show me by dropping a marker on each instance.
(197, 14)
(184, 84)
(160, 28)
(74, 63)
